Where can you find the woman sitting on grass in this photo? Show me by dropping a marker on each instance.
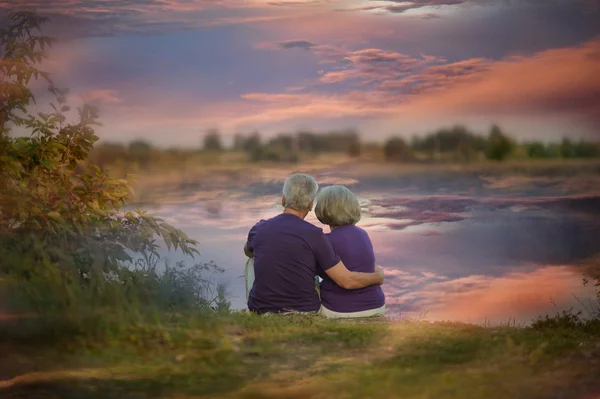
(339, 208)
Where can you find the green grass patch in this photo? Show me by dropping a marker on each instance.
(243, 355)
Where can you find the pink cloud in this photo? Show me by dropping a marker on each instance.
(378, 66)
(562, 80)
(375, 84)
(288, 99)
(337, 76)
(559, 83)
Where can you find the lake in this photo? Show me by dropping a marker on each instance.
(486, 246)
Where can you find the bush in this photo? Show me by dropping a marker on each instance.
(65, 247)
(564, 319)
(592, 277)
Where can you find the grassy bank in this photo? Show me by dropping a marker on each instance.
(248, 356)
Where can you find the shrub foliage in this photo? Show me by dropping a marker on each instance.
(64, 241)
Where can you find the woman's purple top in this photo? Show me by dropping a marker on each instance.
(354, 247)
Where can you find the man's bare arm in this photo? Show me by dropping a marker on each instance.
(354, 280)
(248, 252)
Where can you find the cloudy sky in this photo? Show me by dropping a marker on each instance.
(167, 70)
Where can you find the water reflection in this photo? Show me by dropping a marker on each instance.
(516, 296)
(453, 257)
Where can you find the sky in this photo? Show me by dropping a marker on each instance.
(169, 70)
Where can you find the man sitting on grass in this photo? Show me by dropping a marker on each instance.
(287, 252)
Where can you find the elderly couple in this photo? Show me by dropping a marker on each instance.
(294, 267)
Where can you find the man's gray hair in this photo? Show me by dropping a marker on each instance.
(337, 206)
(299, 191)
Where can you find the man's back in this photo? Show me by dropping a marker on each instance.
(287, 251)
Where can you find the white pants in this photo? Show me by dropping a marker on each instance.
(249, 276)
(330, 314)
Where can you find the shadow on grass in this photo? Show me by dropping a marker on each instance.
(97, 388)
(303, 357)
(449, 361)
(211, 361)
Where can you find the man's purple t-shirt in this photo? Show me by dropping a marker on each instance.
(287, 254)
(354, 247)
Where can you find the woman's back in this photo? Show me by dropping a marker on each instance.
(354, 247)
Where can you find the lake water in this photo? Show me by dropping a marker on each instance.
(485, 248)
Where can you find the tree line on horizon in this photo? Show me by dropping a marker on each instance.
(456, 143)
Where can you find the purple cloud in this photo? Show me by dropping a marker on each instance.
(303, 44)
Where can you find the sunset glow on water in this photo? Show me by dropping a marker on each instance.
(486, 258)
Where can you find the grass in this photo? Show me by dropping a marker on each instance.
(248, 356)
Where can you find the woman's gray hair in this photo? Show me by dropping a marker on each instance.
(337, 206)
(299, 191)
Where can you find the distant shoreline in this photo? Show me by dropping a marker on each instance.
(151, 182)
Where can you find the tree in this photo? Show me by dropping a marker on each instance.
(60, 219)
(212, 141)
(108, 153)
(536, 149)
(284, 143)
(238, 142)
(350, 142)
(308, 142)
(253, 142)
(396, 150)
(465, 151)
(354, 148)
(457, 140)
(553, 150)
(449, 140)
(140, 151)
(247, 143)
(567, 149)
(23, 48)
(500, 146)
(585, 149)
